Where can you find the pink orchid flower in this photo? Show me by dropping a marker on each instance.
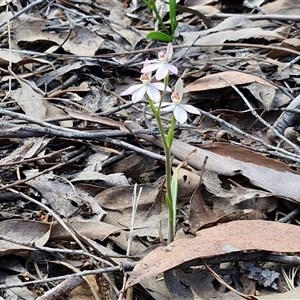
(162, 66)
(152, 90)
(179, 109)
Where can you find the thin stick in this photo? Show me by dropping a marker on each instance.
(254, 113)
(22, 11)
(56, 250)
(135, 201)
(52, 213)
(292, 156)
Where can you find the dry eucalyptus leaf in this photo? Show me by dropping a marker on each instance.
(31, 102)
(293, 294)
(233, 193)
(229, 160)
(264, 94)
(38, 145)
(227, 35)
(215, 81)
(56, 74)
(20, 152)
(199, 213)
(130, 35)
(6, 56)
(81, 41)
(65, 199)
(151, 212)
(133, 166)
(282, 7)
(246, 214)
(121, 240)
(187, 183)
(292, 43)
(111, 180)
(230, 237)
(22, 231)
(253, 3)
(17, 292)
(89, 228)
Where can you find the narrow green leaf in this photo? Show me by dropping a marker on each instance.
(159, 36)
(174, 188)
(172, 13)
(170, 135)
(168, 203)
(174, 191)
(158, 17)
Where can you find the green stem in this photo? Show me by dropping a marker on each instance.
(152, 6)
(168, 166)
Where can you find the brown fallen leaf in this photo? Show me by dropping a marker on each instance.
(64, 198)
(81, 41)
(91, 229)
(31, 99)
(150, 211)
(229, 160)
(292, 43)
(293, 294)
(226, 238)
(23, 231)
(215, 81)
(199, 213)
(283, 7)
(217, 39)
(94, 118)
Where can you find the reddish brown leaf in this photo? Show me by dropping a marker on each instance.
(226, 238)
(215, 81)
(229, 160)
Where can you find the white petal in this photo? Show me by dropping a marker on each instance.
(131, 89)
(150, 61)
(151, 67)
(153, 93)
(168, 106)
(173, 69)
(190, 109)
(160, 86)
(169, 53)
(164, 104)
(146, 63)
(162, 72)
(179, 88)
(139, 94)
(180, 114)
